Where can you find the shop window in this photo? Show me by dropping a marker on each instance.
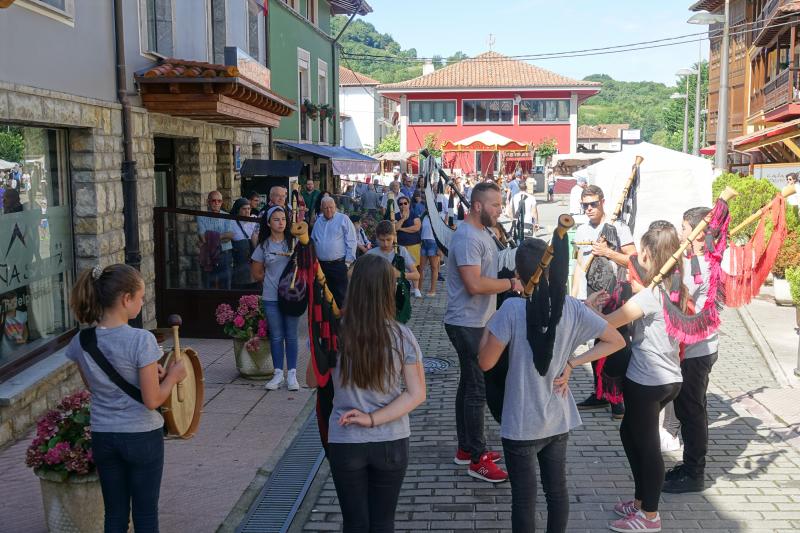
(432, 111)
(488, 111)
(544, 111)
(157, 21)
(36, 252)
(218, 31)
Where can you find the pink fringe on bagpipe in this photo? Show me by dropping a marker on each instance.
(692, 328)
(608, 388)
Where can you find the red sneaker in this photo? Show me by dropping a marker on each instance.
(486, 470)
(463, 458)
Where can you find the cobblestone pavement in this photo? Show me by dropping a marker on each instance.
(753, 476)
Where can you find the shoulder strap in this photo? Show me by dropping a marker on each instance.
(88, 338)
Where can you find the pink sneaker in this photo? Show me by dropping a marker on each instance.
(636, 522)
(623, 509)
(463, 458)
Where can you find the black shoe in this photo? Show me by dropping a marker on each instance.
(592, 402)
(675, 472)
(440, 278)
(618, 411)
(684, 483)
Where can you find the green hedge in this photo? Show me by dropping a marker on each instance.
(754, 193)
(793, 277)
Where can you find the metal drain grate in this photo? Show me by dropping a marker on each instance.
(277, 504)
(435, 365)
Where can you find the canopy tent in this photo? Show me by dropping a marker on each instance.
(579, 157)
(343, 160)
(6, 165)
(487, 141)
(395, 156)
(671, 182)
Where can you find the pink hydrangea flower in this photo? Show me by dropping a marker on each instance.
(262, 328)
(238, 321)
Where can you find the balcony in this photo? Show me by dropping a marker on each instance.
(763, 30)
(779, 98)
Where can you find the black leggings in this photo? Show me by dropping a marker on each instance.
(368, 477)
(641, 440)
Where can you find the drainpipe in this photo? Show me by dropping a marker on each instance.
(133, 254)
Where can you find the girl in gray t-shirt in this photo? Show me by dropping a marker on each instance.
(368, 427)
(652, 381)
(127, 438)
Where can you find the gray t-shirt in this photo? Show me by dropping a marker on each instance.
(367, 401)
(127, 349)
(699, 294)
(470, 246)
(586, 233)
(531, 409)
(389, 256)
(654, 359)
(268, 253)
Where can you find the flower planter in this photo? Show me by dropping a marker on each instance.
(74, 505)
(783, 295)
(253, 365)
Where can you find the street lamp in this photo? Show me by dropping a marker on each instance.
(721, 153)
(685, 96)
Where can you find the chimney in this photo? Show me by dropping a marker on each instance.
(427, 67)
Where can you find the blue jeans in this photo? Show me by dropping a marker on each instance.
(129, 466)
(282, 336)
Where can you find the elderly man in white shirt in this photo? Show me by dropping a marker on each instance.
(335, 244)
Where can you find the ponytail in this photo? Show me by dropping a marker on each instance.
(98, 289)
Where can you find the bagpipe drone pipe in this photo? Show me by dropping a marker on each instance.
(545, 292)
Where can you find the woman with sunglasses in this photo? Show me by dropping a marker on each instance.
(791, 179)
(409, 233)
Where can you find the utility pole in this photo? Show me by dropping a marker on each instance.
(721, 153)
(697, 95)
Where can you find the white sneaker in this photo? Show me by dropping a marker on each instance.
(417, 293)
(291, 380)
(276, 381)
(669, 443)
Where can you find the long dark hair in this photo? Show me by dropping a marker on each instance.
(264, 230)
(98, 289)
(369, 335)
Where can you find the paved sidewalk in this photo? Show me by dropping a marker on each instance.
(204, 477)
(753, 475)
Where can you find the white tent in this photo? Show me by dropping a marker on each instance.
(5, 165)
(671, 183)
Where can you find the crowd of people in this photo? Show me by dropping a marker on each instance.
(378, 377)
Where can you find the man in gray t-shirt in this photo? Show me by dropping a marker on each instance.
(592, 245)
(472, 286)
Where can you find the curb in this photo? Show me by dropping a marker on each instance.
(242, 505)
(763, 347)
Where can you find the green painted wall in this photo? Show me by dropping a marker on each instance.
(289, 31)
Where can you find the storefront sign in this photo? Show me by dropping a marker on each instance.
(775, 173)
(249, 67)
(33, 246)
(631, 136)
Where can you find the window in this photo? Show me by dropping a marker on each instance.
(58, 4)
(61, 10)
(253, 40)
(303, 91)
(311, 11)
(291, 3)
(218, 31)
(158, 26)
(36, 251)
(432, 111)
(488, 111)
(322, 97)
(544, 111)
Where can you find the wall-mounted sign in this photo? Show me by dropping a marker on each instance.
(249, 67)
(631, 136)
(775, 172)
(237, 157)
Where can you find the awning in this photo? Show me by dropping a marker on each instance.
(343, 160)
(488, 141)
(271, 167)
(767, 136)
(709, 150)
(396, 156)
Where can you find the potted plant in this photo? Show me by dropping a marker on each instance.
(788, 257)
(310, 110)
(793, 277)
(61, 457)
(327, 111)
(248, 328)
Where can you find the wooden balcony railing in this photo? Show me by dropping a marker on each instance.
(778, 91)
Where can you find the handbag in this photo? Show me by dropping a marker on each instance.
(292, 290)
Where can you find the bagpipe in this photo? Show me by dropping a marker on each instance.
(545, 293)
(402, 293)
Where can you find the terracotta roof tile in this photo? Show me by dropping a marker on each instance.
(351, 78)
(180, 68)
(489, 69)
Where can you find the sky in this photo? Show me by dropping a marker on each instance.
(442, 27)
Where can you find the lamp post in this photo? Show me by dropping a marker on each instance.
(697, 94)
(721, 153)
(685, 96)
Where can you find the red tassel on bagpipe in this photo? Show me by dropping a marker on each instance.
(750, 263)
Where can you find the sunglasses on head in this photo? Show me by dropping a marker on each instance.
(593, 205)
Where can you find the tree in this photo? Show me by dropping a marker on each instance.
(455, 58)
(12, 145)
(390, 143)
(432, 144)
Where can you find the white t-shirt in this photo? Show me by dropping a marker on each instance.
(530, 205)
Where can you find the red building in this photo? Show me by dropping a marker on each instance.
(484, 109)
